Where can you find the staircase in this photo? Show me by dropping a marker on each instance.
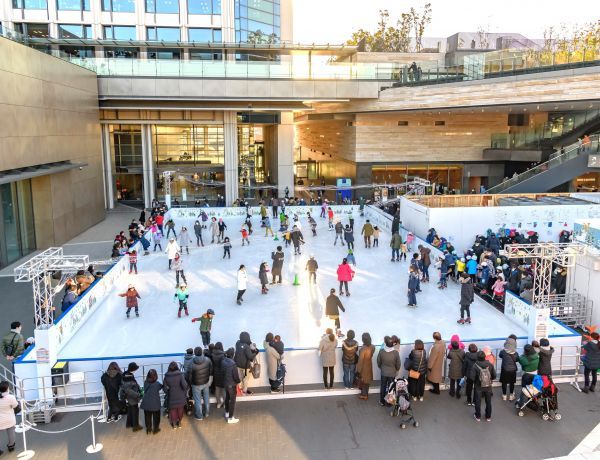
(554, 172)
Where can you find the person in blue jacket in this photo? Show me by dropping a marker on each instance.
(472, 268)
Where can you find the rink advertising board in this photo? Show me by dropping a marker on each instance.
(194, 213)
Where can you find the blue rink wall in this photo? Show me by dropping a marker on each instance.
(303, 364)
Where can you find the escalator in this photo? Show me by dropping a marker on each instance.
(564, 167)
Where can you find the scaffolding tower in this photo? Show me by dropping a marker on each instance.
(38, 271)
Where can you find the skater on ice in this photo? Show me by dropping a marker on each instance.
(277, 258)
(333, 305)
(263, 277)
(297, 239)
(131, 300)
(171, 250)
(182, 295)
(214, 230)
(467, 295)
(367, 232)
(205, 326)
(312, 266)
(330, 218)
(198, 233)
(413, 286)
(184, 240)
(313, 224)
(227, 248)
(222, 228)
(345, 275)
(376, 233)
(178, 267)
(350, 257)
(242, 284)
(339, 233)
(244, 233)
(396, 244)
(349, 236)
(133, 261)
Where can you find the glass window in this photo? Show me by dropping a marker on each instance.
(119, 6)
(192, 145)
(199, 7)
(257, 21)
(123, 53)
(204, 35)
(205, 55)
(127, 147)
(119, 32)
(77, 52)
(32, 30)
(164, 53)
(17, 229)
(217, 36)
(216, 6)
(74, 31)
(168, 34)
(73, 5)
(30, 4)
(162, 6)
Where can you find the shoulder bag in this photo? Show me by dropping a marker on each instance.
(412, 374)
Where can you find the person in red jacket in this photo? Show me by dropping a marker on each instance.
(131, 299)
(344, 274)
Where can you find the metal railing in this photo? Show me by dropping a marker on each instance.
(572, 309)
(570, 152)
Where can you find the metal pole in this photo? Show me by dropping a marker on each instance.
(26, 454)
(93, 448)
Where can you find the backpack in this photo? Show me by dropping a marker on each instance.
(204, 217)
(485, 376)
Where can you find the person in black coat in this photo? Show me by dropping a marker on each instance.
(277, 258)
(131, 393)
(231, 378)
(245, 354)
(545, 353)
(333, 305)
(467, 295)
(475, 374)
(177, 388)
(151, 402)
(514, 279)
(470, 359)
(417, 361)
(217, 359)
(591, 362)
(111, 381)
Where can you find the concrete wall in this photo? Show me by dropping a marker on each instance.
(48, 113)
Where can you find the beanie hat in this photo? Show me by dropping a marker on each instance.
(544, 342)
(132, 367)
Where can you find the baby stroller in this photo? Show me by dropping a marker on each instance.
(541, 396)
(399, 398)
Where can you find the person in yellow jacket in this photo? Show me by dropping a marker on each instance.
(367, 232)
(460, 266)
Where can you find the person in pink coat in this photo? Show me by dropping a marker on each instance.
(344, 274)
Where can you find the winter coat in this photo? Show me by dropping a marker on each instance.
(472, 267)
(273, 359)
(172, 249)
(388, 360)
(111, 381)
(339, 228)
(436, 362)
(187, 364)
(184, 238)
(348, 235)
(345, 272)
(15, 341)
(367, 229)
(182, 294)
(69, 299)
(591, 359)
(475, 372)
(364, 367)
(131, 297)
(545, 363)
(395, 225)
(201, 370)
(509, 361)
(530, 363)
(218, 371)
(327, 351)
(297, 237)
(514, 280)
(467, 293)
(333, 305)
(277, 258)
(312, 265)
(470, 359)
(417, 361)
(214, 228)
(245, 351)
(425, 256)
(198, 229)
(413, 281)
(231, 376)
(396, 241)
(151, 398)
(262, 276)
(7, 411)
(176, 387)
(456, 357)
(242, 280)
(349, 351)
(177, 264)
(130, 391)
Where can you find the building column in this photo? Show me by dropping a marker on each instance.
(109, 189)
(228, 21)
(231, 156)
(285, 154)
(148, 165)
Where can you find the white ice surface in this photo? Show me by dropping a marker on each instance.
(377, 305)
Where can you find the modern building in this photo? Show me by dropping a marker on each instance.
(214, 95)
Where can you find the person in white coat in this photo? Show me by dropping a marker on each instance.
(171, 250)
(185, 240)
(8, 403)
(214, 229)
(242, 282)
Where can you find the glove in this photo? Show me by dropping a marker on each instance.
(193, 320)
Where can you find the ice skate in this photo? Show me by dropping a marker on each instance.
(468, 320)
(461, 321)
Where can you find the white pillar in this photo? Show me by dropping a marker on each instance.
(231, 156)
(228, 21)
(285, 154)
(109, 189)
(148, 165)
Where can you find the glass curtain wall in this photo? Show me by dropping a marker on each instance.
(251, 160)
(196, 154)
(126, 148)
(447, 175)
(257, 21)
(17, 232)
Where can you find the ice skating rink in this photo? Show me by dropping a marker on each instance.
(378, 303)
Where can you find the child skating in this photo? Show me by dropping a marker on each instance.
(330, 218)
(245, 238)
(172, 249)
(182, 295)
(133, 261)
(157, 238)
(222, 228)
(178, 267)
(313, 224)
(184, 240)
(227, 248)
(376, 233)
(131, 300)
(263, 271)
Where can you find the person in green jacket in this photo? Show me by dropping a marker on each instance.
(396, 244)
(13, 344)
(529, 362)
(182, 295)
(205, 326)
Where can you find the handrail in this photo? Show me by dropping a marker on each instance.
(570, 152)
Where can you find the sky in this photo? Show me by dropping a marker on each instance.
(333, 21)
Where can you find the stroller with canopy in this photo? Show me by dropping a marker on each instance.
(541, 396)
(399, 398)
